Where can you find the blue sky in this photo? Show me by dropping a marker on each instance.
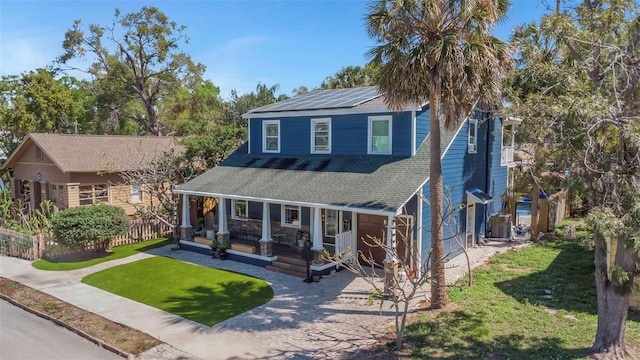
(242, 43)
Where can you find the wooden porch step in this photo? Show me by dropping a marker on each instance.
(290, 266)
(296, 273)
(291, 260)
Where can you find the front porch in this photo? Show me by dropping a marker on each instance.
(247, 251)
(281, 236)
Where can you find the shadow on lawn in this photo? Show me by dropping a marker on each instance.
(210, 305)
(567, 283)
(460, 335)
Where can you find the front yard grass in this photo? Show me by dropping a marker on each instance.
(204, 295)
(535, 303)
(118, 252)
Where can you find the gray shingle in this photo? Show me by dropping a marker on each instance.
(382, 183)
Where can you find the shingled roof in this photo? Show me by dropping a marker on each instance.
(95, 153)
(380, 183)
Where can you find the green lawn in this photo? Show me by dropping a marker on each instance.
(198, 293)
(119, 252)
(536, 303)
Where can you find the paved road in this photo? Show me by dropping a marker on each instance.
(27, 336)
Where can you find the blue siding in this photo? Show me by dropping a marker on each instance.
(422, 126)
(498, 174)
(462, 171)
(348, 134)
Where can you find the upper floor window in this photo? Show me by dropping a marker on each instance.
(291, 216)
(271, 136)
(136, 192)
(473, 136)
(321, 136)
(38, 153)
(240, 209)
(379, 135)
(93, 194)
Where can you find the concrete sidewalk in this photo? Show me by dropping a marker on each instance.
(325, 320)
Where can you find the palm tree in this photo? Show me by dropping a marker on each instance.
(440, 51)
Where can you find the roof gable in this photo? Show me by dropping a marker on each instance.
(96, 153)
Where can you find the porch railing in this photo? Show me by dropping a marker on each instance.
(344, 241)
(506, 155)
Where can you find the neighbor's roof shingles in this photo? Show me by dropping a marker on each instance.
(95, 153)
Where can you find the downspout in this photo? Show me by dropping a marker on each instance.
(486, 175)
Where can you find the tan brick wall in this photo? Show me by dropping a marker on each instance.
(634, 302)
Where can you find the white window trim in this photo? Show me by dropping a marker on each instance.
(472, 147)
(313, 135)
(134, 192)
(284, 216)
(233, 210)
(369, 134)
(264, 135)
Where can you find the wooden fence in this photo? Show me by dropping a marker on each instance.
(32, 247)
(24, 246)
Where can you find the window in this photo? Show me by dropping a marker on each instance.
(136, 192)
(239, 209)
(271, 140)
(321, 136)
(38, 153)
(93, 194)
(331, 223)
(379, 135)
(291, 216)
(473, 136)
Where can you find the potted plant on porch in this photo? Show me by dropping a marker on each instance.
(221, 250)
(303, 238)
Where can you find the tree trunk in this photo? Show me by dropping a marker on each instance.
(153, 125)
(436, 195)
(535, 222)
(613, 307)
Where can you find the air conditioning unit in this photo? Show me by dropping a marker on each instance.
(500, 226)
(472, 148)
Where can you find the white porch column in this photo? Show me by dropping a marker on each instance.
(266, 242)
(266, 222)
(186, 218)
(222, 216)
(186, 231)
(391, 238)
(316, 228)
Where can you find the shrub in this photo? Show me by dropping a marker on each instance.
(98, 223)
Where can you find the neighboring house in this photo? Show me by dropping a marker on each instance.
(339, 166)
(76, 170)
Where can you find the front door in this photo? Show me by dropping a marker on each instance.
(471, 223)
(330, 225)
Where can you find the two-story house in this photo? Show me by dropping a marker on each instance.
(339, 166)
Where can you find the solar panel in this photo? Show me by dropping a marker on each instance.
(323, 99)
